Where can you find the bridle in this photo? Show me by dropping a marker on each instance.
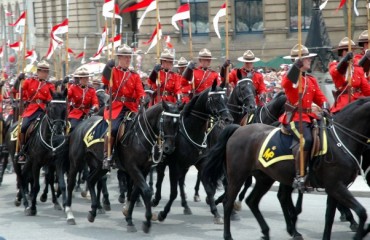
(243, 109)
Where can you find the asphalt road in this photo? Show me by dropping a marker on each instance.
(51, 224)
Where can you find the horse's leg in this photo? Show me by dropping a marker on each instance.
(44, 195)
(343, 196)
(220, 199)
(331, 205)
(346, 215)
(106, 202)
(4, 164)
(211, 201)
(32, 210)
(151, 175)
(130, 224)
(160, 176)
(298, 205)
(70, 186)
(62, 184)
(99, 187)
(184, 203)
(52, 189)
(260, 189)
(122, 184)
(78, 185)
(174, 179)
(247, 184)
(94, 176)
(196, 189)
(290, 215)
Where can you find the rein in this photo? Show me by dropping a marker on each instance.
(52, 130)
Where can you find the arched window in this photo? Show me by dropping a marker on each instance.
(198, 17)
(248, 16)
(306, 14)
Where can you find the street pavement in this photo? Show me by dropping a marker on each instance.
(51, 224)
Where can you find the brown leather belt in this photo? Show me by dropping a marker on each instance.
(167, 93)
(38, 101)
(306, 110)
(125, 99)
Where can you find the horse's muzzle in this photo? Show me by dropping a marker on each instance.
(168, 147)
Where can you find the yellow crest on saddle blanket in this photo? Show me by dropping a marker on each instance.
(14, 134)
(276, 148)
(89, 136)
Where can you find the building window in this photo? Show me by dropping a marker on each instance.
(306, 14)
(198, 17)
(248, 16)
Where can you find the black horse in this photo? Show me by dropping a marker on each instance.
(153, 135)
(191, 140)
(239, 149)
(4, 152)
(44, 148)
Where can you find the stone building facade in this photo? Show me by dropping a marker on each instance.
(264, 26)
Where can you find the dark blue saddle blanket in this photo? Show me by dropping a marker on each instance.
(96, 132)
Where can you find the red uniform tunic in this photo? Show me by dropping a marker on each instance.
(257, 79)
(170, 86)
(360, 86)
(126, 91)
(311, 94)
(36, 93)
(203, 79)
(81, 100)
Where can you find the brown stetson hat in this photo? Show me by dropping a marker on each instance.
(294, 52)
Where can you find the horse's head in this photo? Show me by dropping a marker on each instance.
(56, 113)
(169, 125)
(217, 104)
(244, 94)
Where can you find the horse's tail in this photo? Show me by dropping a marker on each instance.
(214, 160)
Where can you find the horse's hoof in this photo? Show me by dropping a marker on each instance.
(125, 211)
(146, 227)
(121, 199)
(238, 206)
(71, 221)
(187, 211)
(196, 198)
(155, 202)
(84, 194)
(57, 207)
(218, 220)
(100, 211)
(234, 216)
(90, 217)
(107, 207)
(17, 203)
(161, 218)
(354, 227)
(30, 212)
(131, 228)
(154, 217)
(139, 204)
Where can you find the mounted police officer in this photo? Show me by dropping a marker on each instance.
(82, 98)
(127, 93)
(36, 93)
(169, 85)
(247, 71)
(202, 77)
(311, 94)
(339, 72)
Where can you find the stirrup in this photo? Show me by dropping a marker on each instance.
(20, 157)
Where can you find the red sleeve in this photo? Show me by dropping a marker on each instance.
(70, 93)
(260, 84)
(338, 79)
(139, 90)
(233, 77)
(25, 90)
(177, 88)
(365, 87)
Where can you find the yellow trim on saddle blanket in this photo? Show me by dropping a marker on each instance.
(266, 156)
(89, 136)
(14, 133)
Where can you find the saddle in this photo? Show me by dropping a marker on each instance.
(31, 129)
(130, 118)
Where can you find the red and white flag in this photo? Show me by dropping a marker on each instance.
(341, 4)
(167, 40)
(108, 8)
(101, 44)
(1, 52)
(59, 29)
(154, 39)
(31, 55)
(28, 54)
(7, 13)
(116, 42)
(150, 5)
(52, 46)
(183, 12)
(21, 21)
(80, 55)
(220, 13)
(17, 46)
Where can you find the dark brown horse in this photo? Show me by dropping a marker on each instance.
(238, 150)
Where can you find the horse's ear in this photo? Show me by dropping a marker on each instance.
(222, 85)
(165, 106)
(65, 93)
(214, 85)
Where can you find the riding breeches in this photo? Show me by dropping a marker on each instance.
(26, 122)
(307, 133)
(117, 122)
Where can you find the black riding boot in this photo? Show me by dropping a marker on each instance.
(300, 181)
(21, 159)
(107, 162)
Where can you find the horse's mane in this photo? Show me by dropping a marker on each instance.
(352, 106)
(59, 96)
(189, 106)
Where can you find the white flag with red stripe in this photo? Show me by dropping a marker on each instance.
(101, 44)
(31, 55)
(1, 52)
(21, 21)
(108, 8)
(52, 46)
(183, 12)
(80, 55)
(154, 39)
(17, 46)
(59, 29)
(167, 40)
(7, 13)
(150, 5)
(220, 13)
(116, 42)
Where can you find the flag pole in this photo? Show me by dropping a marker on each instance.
(24, 42)
(158, 52)
(66, 56)
(190, 35)
(300, 93)
(109, 133)
(350, 63)
(106, 37)
(227, 46)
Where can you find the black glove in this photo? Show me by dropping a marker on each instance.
(108, 69)
(262, 97)
(157, 67)
(294, 70)
(66, 80)
(326, 110)
(191, 65)
(20, 77)
(226, 63)
(348, 56)
(239, 74)
(343, 64)
(365, 61)
(111, 63)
